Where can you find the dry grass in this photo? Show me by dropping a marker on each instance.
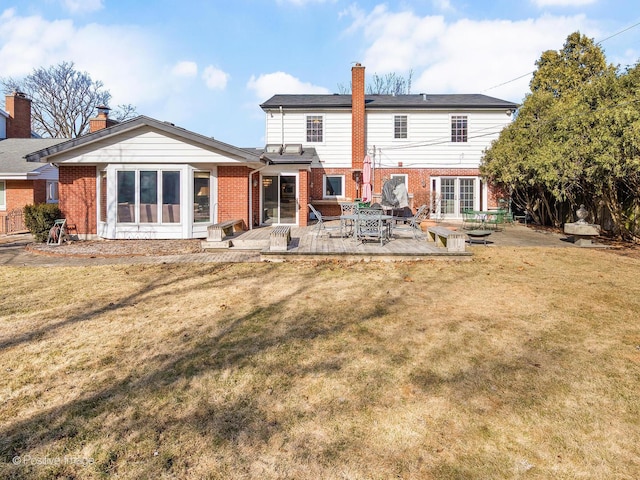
(522, 363)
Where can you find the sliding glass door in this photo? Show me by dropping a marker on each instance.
(279, 199)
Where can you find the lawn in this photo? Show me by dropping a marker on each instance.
(520, 363)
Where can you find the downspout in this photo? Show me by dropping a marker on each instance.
(251, 194)
(281, 126)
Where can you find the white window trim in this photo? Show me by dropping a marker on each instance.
(393, 127)
(52, 184)
(324, 128)
(3, 199)
(324, 186)
(159, 194)
(404, 175)
(451, 115)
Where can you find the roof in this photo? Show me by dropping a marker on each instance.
(128, 125)
(305, 157)
(13, 151)
(417, 101)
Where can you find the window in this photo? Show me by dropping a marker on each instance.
(139, 193)
(459, 128)
(52, 191)
(3, 197)
(404, 178)
(171, 197)
(333, 186)
(126, 197)
(314, 128)
(201, 202)
(103, 195)
(400, 126)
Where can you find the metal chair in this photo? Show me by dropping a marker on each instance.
(321, 219)
(370, 225)
(412, 224)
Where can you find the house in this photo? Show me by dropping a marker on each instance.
(433, 142)
(22, 182)
(145, 178)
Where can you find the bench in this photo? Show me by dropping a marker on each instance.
(443, 237)
(280, 238)
(219, 231)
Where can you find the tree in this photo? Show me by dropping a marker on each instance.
(389, 84)
(63, 100)
(576, 139)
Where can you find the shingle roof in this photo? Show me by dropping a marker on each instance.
(13, 151)
(137, 122)
(418, 101)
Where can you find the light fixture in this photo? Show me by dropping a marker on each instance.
(203, 192)
(509, 112)
(266, 182)
(255, 182)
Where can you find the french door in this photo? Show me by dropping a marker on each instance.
(456, 195)
(279, 199)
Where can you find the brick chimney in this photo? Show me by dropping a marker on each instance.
(19, 110)
(102, 120)
(358, 122)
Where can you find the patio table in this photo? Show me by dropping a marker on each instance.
(354, 218)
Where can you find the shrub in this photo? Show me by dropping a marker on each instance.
(39, 219)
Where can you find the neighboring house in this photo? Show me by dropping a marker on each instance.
(434, 142)
(144, 178)
(21, 182)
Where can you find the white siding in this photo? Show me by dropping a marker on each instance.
(144, 145)
(334, 151)
(428, 144)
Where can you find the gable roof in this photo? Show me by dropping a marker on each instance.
(138, 122)
(14, 150)
(417, 101)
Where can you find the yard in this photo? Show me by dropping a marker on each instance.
(521, 363)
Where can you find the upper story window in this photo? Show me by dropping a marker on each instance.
(400, 126)
(458, 128)
(403, 176)
(315, 128)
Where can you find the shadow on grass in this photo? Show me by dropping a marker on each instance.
(235, 344)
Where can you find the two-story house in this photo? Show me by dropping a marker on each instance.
(434, 142)
(144, 178)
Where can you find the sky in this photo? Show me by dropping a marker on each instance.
(207, 65)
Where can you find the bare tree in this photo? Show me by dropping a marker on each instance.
(389, 84)
(63, 100)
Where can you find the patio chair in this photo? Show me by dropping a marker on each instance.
(371, 225)
(346, 224)
(320, 225)
(412, 224)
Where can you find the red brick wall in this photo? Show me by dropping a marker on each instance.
(303, 198)
(358, 125)
(39, 191)
(77, 192)
(19, 193)
(233, 193)
(19, 121)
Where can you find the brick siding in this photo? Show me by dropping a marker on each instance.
(358, 121)
(77, 191)
(233, 193)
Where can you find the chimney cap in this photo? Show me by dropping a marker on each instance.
(103, 111)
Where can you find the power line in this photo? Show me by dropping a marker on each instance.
(530, 73)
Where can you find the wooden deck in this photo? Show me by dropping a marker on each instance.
(307, 243)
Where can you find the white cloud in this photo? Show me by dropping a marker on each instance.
(215, 78)
(185, 69)
(269, 84)
(82, 6)
(464, 56)
(132, 68)
(562, 3)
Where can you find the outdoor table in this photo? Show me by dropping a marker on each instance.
(354, 217)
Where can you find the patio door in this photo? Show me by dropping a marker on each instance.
(279, 199)
(458, 194)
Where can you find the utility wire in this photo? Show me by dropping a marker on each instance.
(530, 73)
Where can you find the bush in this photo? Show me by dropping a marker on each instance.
(39, 219)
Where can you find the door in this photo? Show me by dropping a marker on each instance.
(279, 199)
(457, 194)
